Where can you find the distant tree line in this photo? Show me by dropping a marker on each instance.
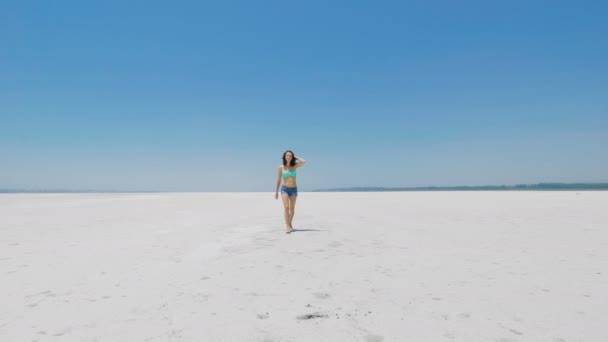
(538, 186)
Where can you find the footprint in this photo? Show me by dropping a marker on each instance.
(311, 316)
(321, 295)
(63, 332)
(373, 338)
(516, 332)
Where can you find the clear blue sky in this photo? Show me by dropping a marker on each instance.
(198, 96)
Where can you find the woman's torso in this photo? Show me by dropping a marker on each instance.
(289, 176)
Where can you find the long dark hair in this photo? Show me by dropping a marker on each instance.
(293, 159)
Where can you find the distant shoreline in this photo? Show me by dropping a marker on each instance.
(517, 187)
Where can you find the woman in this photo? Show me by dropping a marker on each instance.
(289, 190)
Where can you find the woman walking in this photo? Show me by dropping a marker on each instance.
(289, 189)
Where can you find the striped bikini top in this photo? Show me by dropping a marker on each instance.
(291, 173)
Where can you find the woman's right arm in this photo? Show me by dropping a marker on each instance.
(276, 193)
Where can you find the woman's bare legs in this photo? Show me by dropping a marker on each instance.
(286, 212)
(292, 206)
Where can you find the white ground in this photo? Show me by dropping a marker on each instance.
(383, 266)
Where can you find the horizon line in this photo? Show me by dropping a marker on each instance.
(520, 186)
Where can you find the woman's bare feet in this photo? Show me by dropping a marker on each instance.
(289, 230)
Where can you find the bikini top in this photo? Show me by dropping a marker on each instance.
(291, 173)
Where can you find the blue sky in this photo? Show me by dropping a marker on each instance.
(200, 96)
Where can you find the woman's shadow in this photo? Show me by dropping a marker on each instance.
(304, 230)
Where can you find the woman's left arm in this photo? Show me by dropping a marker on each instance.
(302, 161)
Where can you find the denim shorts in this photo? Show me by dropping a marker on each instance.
(289, 191)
